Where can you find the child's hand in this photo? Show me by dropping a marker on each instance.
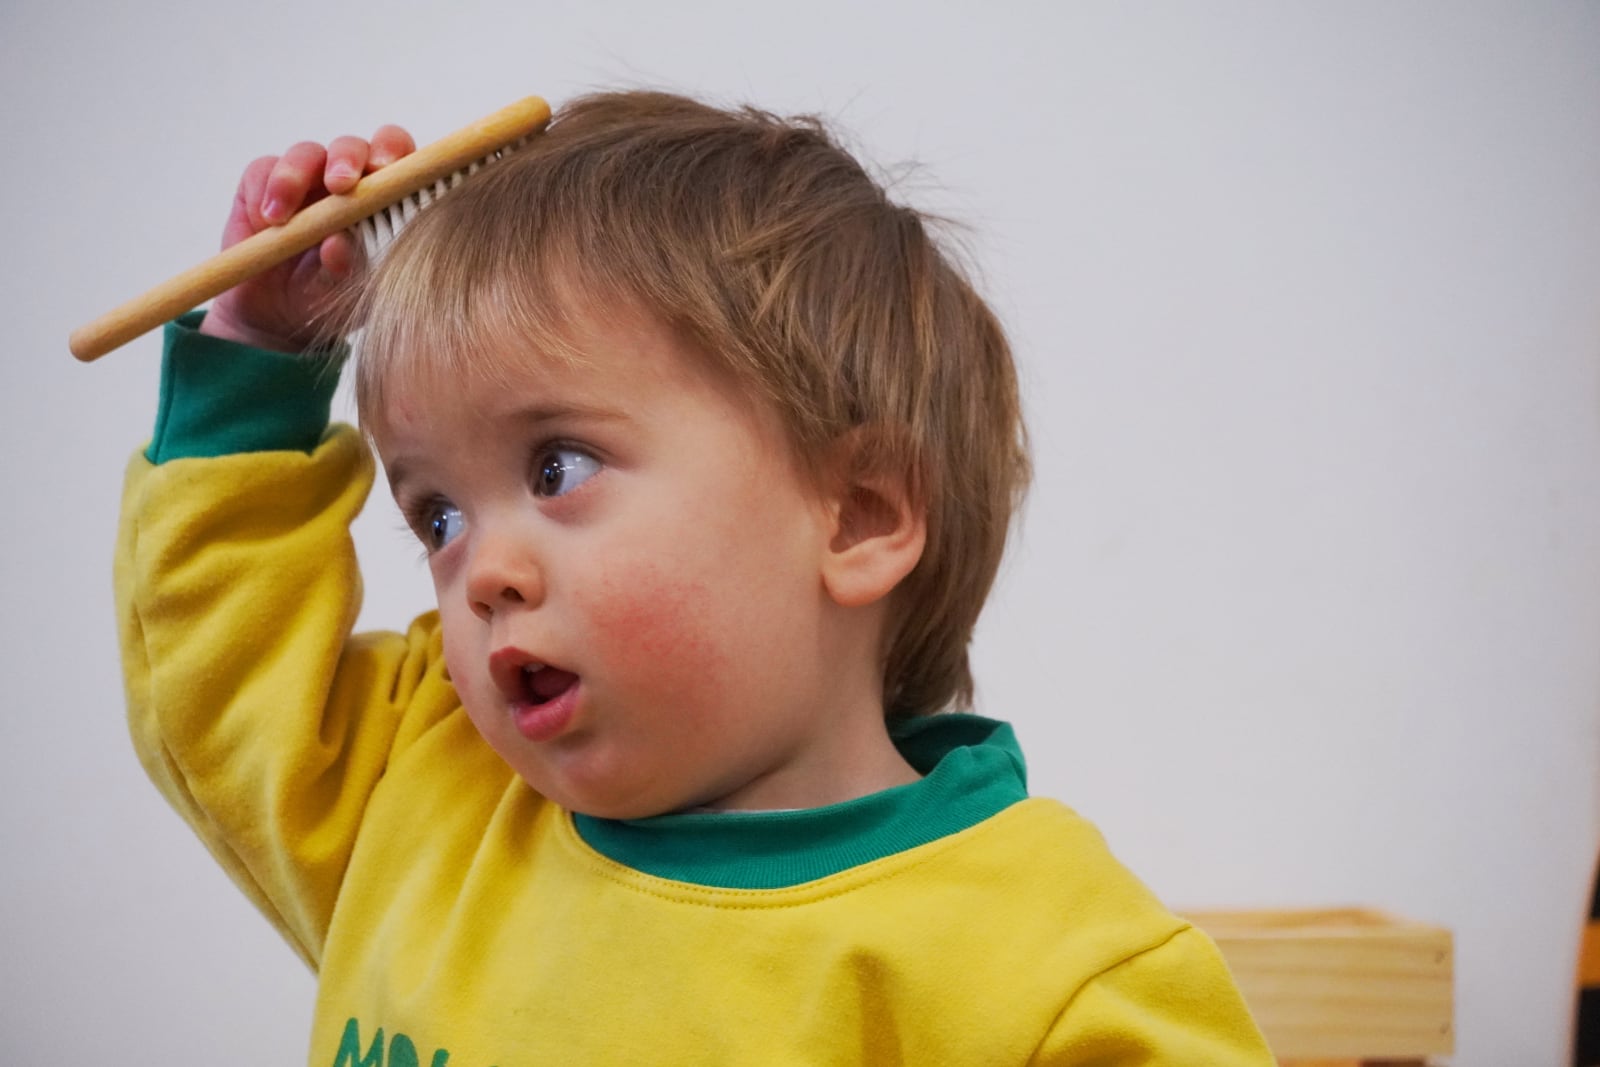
(277, 309)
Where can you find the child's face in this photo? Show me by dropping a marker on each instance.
(627, 566)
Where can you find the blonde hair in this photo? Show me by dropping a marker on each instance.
(772, 252)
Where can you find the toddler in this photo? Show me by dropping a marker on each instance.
(713, 454)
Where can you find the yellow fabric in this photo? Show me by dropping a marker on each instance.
(457, 919)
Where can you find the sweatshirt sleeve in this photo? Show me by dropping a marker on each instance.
(1173, 1005)
(258, 715)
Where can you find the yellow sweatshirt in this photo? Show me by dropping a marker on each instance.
(457, 919)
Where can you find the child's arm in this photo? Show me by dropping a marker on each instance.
(251, 706)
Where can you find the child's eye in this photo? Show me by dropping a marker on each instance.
(439, 525)
(561, 470)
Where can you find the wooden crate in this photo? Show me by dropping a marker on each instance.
(1346, 984)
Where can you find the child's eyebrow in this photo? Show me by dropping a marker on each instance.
(397, 473)
(539, 413)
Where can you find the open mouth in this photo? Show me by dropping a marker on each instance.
(540, 685)
(543, 701)
(522, 679)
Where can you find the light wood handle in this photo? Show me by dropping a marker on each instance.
(306, 229)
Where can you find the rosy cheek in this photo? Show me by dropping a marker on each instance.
(659, 632)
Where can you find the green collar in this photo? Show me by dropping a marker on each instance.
(972, 769)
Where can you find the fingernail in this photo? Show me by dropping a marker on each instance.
(272, 210)
(341, 172)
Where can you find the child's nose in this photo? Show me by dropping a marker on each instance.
(502, 573)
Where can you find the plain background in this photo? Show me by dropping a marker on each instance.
(1305, 609)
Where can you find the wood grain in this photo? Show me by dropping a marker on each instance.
(1341, 985)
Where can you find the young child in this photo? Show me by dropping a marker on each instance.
(713, 454)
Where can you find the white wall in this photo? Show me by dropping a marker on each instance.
(1306, 607)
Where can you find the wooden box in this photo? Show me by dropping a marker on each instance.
(1347, 984)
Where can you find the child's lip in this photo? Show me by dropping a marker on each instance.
(548, 719)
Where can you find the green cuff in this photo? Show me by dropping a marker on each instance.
(219, 398)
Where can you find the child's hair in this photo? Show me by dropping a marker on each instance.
(767, 248)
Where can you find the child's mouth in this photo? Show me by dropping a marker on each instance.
(541, 699)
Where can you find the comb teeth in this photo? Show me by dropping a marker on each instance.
(377, 231)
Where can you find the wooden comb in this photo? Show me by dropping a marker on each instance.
(377, 207)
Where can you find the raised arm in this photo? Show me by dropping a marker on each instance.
(256, 713)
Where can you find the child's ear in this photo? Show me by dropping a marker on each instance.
(879, 530)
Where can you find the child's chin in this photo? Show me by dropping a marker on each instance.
(604, 799)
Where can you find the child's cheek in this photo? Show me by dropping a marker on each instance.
(658, 633)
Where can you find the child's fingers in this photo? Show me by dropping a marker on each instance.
(307, 279)
(389, 143)
(340, 255)
(347, 162)
(297, 174)
(244, 217)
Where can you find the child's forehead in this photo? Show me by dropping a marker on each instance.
(593, 358)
